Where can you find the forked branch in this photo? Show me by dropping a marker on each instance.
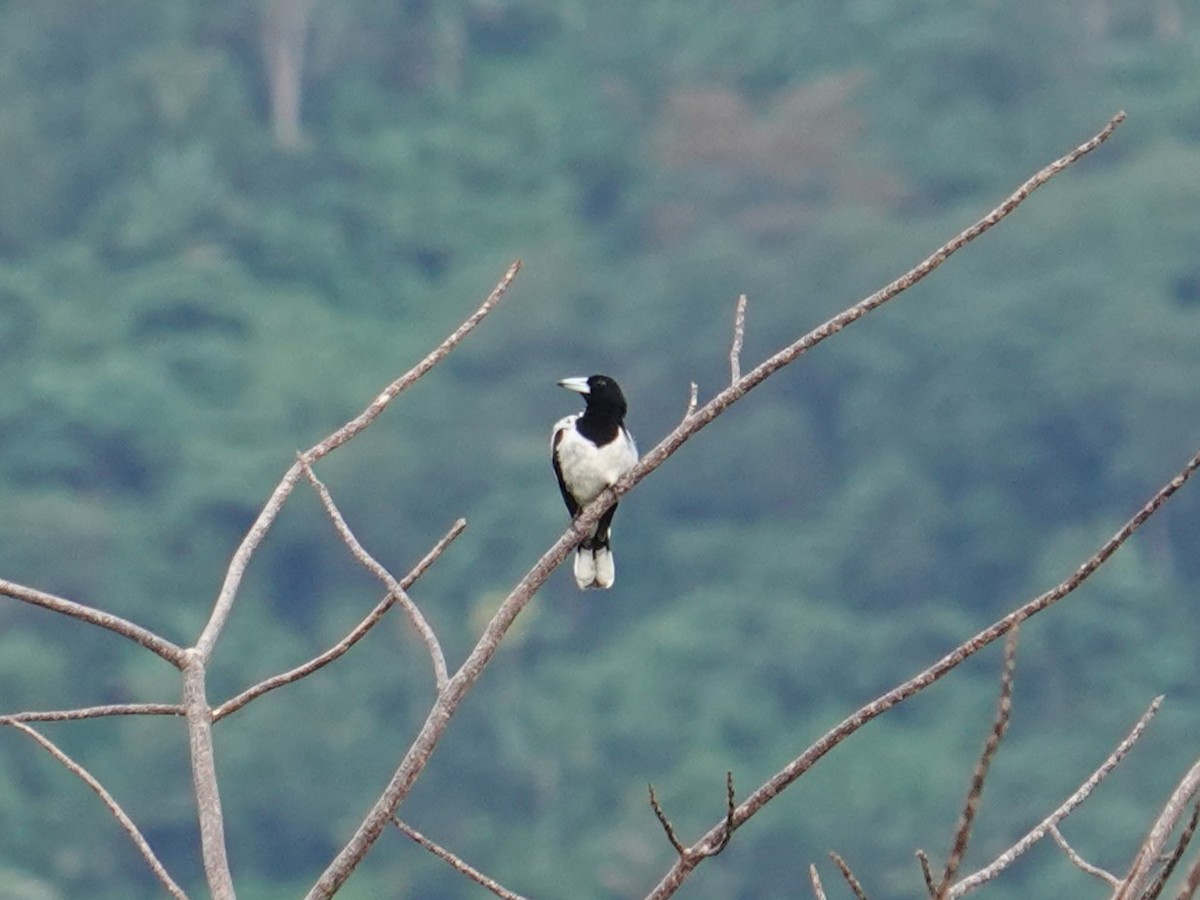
(396, 591)
(418, 754)
(1017, 850)
(966, 821)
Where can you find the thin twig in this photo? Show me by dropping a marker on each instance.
(255, 691)
(962, 835)
(419, 752)
(270, 510)
(730, 806)
(109, 801)
(1080, 863)
(96, 712)
(665, 822)
(148, 639)
(855, 884)
(927, 873)
(1148, 854)
(1017, 850)
(1191, 883)
(815, 879)
(693, 399)
(1164, 874)
(396, 591)
(739, 332)
(456, 862)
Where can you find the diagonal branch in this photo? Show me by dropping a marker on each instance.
(270, 511)
(148, 639)
(877, 707)
(396, 591)
(815, 881)
(667, 827)
(1005, 859)
(1079, 862)
(999, 727)
(446, 856)
(1164, 875)
(1148, 854)
(121, 816)
(254, 692)
(418, 754)
(851, 880)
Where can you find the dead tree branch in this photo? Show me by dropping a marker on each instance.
(667, 827)
(966, 822)
(1017, 850)
(456, 862)
(418, 754)
(204, 779)
(97, 712)
(396, 591)
(739, 332)
(851, 880)
(1149, 854)
(109, 801)
(148, 639)
(1079, 862)
(1185, 838)
(270, 511)
(356, 634)
(927, 873)
(815, 879)
(919, 682)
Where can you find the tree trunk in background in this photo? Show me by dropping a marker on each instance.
(284, 34)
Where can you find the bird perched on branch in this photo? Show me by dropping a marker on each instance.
(591, 450)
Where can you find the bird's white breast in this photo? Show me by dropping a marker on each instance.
(588, 469)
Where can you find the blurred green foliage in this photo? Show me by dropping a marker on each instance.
(183, 303)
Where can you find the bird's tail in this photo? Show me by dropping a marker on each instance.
(594, 566)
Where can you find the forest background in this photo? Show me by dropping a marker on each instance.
(193, 286)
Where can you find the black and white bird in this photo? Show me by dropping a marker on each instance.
(591, 450)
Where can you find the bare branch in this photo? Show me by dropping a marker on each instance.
(730, 806)
(270, 511)
(418, 754)
(1080, 863)
(855, 884)
(96, 712)
(121, 816)
(1164, 874)
(665, 822)
(1005, 859)
(254, 692)
(739, 332)
(1148, 855)
(927, 873)
(938, 670)
(966, 820)
(693, 399)
(446, 856)
(204, 779)
(396, 591)
(148, 639)
(1191, 883)
(815, 879)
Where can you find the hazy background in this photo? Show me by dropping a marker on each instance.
(194, 284)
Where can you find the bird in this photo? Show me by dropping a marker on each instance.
(590, 451)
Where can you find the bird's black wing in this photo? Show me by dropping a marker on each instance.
(572, 506)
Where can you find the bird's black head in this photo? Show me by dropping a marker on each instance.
(601, 394)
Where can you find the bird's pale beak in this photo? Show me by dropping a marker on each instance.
(579, 385)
